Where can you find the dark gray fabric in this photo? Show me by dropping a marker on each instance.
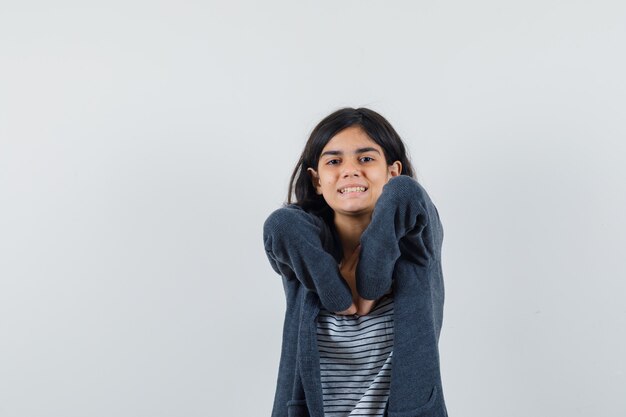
(400, 247)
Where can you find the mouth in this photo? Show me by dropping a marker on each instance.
(351, 190)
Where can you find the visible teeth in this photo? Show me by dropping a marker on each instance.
(352, 189)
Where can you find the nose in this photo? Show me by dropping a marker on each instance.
(350, 169)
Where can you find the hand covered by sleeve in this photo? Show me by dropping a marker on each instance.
(293, 240)
(403, 222)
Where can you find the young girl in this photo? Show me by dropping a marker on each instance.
(359, 253)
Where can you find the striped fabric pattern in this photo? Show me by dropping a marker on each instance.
(355, 360)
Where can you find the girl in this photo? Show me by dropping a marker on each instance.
(359, 253)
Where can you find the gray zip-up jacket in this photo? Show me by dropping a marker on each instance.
(400, 249)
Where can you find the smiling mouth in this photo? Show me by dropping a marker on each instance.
(351, 190)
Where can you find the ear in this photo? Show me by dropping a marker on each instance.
(395, 169)
(315, 180)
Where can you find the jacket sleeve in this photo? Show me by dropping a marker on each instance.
(293, 240)
(402, 224)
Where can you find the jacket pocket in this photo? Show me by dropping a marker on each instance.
(297, 408)
(426, 410)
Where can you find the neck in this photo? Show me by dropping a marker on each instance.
(350, 229)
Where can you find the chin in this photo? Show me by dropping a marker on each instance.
(354, 209)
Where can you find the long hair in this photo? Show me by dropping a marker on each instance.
(376, 127)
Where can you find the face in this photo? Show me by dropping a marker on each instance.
(352, 171)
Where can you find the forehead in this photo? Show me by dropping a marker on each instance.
(351, 138)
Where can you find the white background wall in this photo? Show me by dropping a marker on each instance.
(143, 144)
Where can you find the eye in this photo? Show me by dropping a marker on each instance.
(367, 157)
(331, 162)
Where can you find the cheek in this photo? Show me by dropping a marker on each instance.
(328, 189)
(377, 192)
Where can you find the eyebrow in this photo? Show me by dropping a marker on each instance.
(360, 150)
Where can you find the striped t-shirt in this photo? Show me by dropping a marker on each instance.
(355, 360)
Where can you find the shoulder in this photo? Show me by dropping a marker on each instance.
(289, 212)
(294, 224)
(291, 217)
